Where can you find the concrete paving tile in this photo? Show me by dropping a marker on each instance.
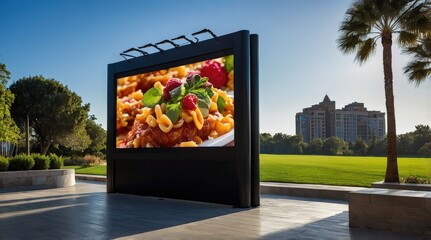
(86, 211)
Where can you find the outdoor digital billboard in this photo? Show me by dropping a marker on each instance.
(183, 122)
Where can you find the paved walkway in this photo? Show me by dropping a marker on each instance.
(86, 211)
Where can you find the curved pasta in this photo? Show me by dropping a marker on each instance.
(165, 124)
(198, 119)
(213, 107)
(187, 118)
(158, 111)
(145, 112)
(222, 128)
(151, 121)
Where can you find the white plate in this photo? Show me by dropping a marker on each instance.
(220, 141)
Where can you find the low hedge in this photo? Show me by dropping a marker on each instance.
(21, 162)
(41, 162)
(4, 164)
(56, 162)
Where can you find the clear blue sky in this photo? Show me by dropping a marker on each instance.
(73, 41)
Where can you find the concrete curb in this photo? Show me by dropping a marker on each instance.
(308, 190)
(87, 177)
(289, 189)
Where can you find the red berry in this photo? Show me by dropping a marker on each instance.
(190, 102)
(171, 84)
(215, 73)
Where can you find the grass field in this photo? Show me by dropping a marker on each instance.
(331, 170)
(96, 170)
(336, 170)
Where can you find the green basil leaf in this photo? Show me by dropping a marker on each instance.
(221, 104)
(173, 111)
(209, 92)
(200, 82)
(200, 93)
(152, 97)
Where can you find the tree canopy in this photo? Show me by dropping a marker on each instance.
(56, 114)
(9, 132)
(97, 135)
(417, 142)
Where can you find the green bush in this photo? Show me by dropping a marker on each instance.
(56, 162)
(4, 163)
(40, 162)
(21, 162)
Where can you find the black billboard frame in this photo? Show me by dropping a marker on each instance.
(226, 175)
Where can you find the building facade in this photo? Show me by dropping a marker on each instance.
(350, 123)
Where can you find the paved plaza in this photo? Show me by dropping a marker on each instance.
(86, 211)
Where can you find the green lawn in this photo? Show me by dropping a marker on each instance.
(336, 170)
(96, 170)
(331, 170)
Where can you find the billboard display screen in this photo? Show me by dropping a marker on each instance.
(183, 121)
(190, 105)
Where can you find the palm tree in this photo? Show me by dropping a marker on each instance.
(420, 68)
(366, 22)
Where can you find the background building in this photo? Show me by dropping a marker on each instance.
(350, 123)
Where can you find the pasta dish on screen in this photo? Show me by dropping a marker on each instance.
(183, 106)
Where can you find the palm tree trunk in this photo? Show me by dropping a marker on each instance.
(392, 162)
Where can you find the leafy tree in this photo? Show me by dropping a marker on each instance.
(332, 146)
(425, 150)
(9, 132)
(420, 67)
(315, 146)
(296, 144)
(422, 135)
(97, 136)
(266, 143)
(57, 115)
(406, 144)
(380, 147)
(360, 147)
(366, 22)
(77, 141)
(280, 142)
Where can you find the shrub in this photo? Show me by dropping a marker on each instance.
(92, 160)
(56, 162)
(21, 162)
(40, 162)
(416, 180)
(4, 163)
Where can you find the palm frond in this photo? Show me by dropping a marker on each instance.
(406, 38)
(348, 43)
(365, 50)
(418, 71)
(417, 19)
(422, 50)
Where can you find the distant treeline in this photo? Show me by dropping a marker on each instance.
(417, 142)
